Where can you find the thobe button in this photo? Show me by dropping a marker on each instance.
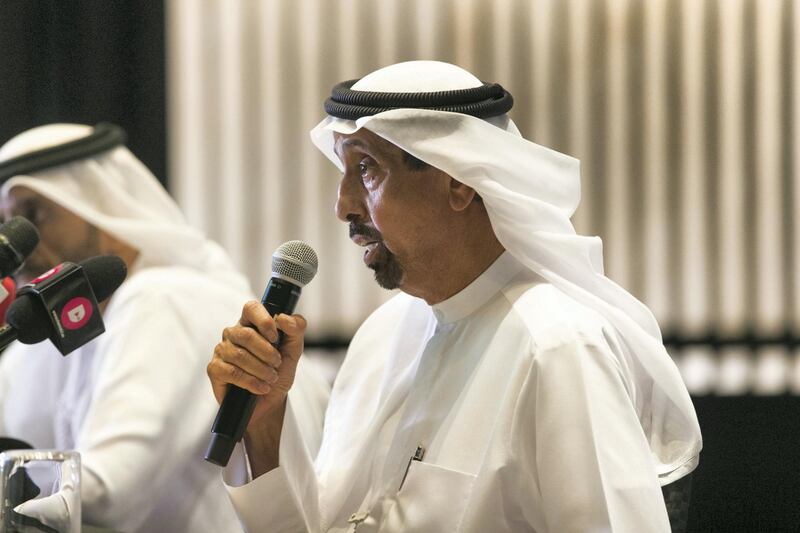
(357, 518)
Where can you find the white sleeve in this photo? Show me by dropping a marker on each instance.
(584, 445)
(272, 502)
(309, 398)
(151, 403)
(31, 384)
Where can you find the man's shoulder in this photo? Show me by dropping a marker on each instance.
(179, 287)
(180, 278)
(552, 317)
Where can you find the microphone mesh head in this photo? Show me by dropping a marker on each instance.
(295, 261)
(22, 235)
(105, 273)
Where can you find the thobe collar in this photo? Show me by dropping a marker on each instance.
(480, 291)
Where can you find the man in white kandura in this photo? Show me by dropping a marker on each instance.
(134, 402)
(510, 386)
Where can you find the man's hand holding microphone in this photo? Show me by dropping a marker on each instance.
(247, 357)
(254, 365)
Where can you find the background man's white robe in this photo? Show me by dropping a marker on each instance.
(136, 403)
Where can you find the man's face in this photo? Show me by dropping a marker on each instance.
(394, 212)
(63, 235)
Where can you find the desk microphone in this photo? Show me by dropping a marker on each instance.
(62, 304)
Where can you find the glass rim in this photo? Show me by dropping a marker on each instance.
(38, 454)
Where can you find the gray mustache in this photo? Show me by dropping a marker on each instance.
(366, 231)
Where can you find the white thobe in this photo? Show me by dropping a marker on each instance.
(517, 395)
(136, 403)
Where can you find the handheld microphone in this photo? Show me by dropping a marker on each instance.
(294, 264)
(61, 304)
(18, 238)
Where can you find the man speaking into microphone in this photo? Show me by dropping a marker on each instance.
(134, 402)
(509, 387)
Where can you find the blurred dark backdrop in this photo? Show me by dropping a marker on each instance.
(85, 61)
(748, 479)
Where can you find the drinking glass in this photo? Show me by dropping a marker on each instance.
(40, 490)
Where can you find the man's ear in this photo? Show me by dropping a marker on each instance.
(460, 195)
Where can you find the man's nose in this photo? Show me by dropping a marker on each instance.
(350, 201)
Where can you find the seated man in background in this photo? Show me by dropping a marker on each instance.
(509, 387)
(134, 402)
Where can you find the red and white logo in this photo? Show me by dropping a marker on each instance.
(76, 313)
(53, 271)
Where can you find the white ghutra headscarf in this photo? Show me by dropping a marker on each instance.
(530, 193)
(115, 192)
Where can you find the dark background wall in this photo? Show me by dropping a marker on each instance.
(748, 479)
(85, 61)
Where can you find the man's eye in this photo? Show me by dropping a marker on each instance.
(366, 170)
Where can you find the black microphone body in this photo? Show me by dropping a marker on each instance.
(234, 413)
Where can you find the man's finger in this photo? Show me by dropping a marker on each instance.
(294, 325)
(254, 314)
(293, 328)
(240, 357)
(223, 374)
(251, 340)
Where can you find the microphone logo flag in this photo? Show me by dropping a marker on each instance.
(76, 313)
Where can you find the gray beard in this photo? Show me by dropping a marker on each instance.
(388, 272)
